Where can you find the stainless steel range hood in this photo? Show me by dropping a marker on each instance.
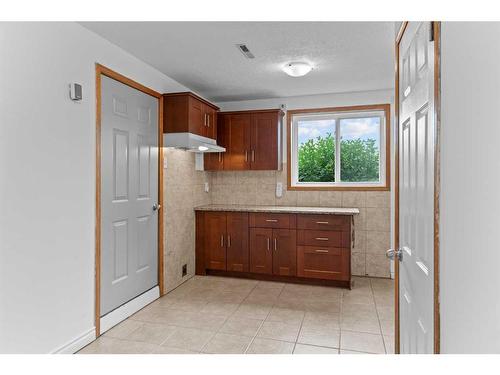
(191, 142)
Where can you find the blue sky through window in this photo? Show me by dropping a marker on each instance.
(355, 128)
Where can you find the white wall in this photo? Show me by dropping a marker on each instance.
(47, 178)
(470, 180)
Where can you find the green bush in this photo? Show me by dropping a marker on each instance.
(359, 160)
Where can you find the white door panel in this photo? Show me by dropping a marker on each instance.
(416, 189)
(129, 189)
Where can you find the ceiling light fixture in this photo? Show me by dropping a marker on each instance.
(297, 69)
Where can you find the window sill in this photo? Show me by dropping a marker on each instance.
(338, 188)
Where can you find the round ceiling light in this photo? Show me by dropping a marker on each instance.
(297, 69)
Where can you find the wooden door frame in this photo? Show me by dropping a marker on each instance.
(101, 70)
(437, 142)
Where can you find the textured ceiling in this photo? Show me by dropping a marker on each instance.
(347, 56)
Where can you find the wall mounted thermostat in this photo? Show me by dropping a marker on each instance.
(75, 92)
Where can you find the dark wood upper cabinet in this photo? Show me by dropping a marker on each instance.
(237, 241)
(215, 240)
(261, 255)
(187, 112)
(285, 252)
(236, 139)
(265, 141)
(253, 141)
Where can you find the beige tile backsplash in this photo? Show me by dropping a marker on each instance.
(184, 190)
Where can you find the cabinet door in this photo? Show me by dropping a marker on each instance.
(213, 161)
(261, 256)
(195, 117)
(284, 252)
(329, 263)
(265, 140)
(237, 141)
(210, 121)
(215, 240)
(237, 241)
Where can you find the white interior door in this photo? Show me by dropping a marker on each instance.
(416, 189)
(129, 193)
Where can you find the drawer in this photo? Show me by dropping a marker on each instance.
(324, 222)
(323, 262)
(323, 238)
(270, 220)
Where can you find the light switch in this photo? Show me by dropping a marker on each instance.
(207, 187)
(279, 189)
(165, 162)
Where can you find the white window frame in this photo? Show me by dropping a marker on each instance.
(338, 116)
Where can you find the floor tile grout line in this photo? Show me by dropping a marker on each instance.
(378, 317)
(263, 321)
(227, 318)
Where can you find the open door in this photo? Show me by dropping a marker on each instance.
(417, 213)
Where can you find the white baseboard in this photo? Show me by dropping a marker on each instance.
(76, 344)
(118, 315)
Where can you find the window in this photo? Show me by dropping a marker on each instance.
(339, 148)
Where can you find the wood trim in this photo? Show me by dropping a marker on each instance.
(99, 71)
(161, 211)
(252, 111)
(194, 96)
(371, 107)
(97, 261)
(437, 179)
(396, 189)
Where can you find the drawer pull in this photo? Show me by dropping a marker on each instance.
(271, 220)
(322, 238)
(321, 251)
(322, 222)
(268, 244)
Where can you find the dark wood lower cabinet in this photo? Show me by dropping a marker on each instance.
(237, 241)
(284, 248)
(323, 262)
(284, 252)
(261, 256)
(214, 239)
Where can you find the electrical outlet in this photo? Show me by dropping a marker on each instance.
(184, 270)
(279, 190)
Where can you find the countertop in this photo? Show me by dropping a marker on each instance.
(279, 209)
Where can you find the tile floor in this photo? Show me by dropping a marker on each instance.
(225, 315)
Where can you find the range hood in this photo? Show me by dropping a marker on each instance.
(191, 142)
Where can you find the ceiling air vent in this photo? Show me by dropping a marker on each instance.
(245, 51)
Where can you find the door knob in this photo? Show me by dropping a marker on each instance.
(394, 254)
(156, 207)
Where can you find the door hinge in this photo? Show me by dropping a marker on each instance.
(431, 32)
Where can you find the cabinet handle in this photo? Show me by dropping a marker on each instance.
(208, 120)
(322, 222)
(322, 238)
(253, 155)
(268, 243)
(220, 157)
(321, 251)
(275, 244)
(246, 155)
(271, 220)
(221, 240)
(228, 240)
